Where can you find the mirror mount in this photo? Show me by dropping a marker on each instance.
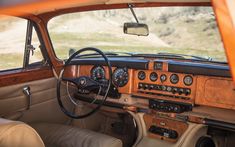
(133, 12)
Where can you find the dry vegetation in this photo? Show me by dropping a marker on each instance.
(185, 30)
(176, 30)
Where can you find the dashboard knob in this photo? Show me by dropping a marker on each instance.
(146, 87)
(169, 89)
(163, 87)
(151, 87)
(174, 90)
(140, 86)
(181, 91)
(187, 92)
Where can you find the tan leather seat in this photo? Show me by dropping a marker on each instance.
(56, 135)
(18, 134)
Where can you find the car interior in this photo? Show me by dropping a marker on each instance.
(95, 74)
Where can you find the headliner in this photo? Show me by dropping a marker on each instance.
(38, 7)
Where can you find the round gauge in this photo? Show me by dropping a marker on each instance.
(120, 77)
(97, 73)
(188, 80)
(174, 78)
(141, 75)
(153, 76)
(163, 78)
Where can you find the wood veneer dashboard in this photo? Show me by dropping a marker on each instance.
(211, 83)
(168, 87)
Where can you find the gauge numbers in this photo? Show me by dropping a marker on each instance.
(97, 73)
(120, 77)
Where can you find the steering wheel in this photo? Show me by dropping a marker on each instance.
(84, 83)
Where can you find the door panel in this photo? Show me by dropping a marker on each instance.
(44, 106)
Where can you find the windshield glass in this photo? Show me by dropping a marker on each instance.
(177, 30)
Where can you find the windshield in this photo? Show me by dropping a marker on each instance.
(175, 30)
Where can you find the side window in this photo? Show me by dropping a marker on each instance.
(12, 44)
(19, 45)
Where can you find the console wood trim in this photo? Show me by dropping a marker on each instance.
(178, 126)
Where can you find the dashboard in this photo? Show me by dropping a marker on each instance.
(163, 86)
(168, 85)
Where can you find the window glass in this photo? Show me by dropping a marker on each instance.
(12, 44)
(175, 30)
(36, 56)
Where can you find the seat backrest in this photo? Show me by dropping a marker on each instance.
(18, 134)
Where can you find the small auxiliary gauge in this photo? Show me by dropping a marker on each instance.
(141, 75)
(153, 76)
(174, 78)
(188, 80)
(163, 78)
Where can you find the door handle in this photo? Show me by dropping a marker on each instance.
(26, 91)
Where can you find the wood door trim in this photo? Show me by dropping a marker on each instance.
(18, 76)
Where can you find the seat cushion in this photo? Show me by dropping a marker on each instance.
(18, 134)
(57, 135)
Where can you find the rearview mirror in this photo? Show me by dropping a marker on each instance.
(136, 29)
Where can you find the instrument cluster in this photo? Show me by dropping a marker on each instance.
(120, 75)
(174, 78)
(164, 85)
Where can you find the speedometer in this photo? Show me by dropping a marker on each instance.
(120, 77)
(97, 73)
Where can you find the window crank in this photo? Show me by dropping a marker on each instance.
(26, 91)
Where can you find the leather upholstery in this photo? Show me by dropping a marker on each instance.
(18, 134)
(56, 135)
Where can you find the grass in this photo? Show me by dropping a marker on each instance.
(11, 61)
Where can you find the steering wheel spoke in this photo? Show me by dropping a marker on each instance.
(85, 83)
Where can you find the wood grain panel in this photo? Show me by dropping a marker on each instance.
(216, 92)
(178, 126)
(180, 84)
(20, 76)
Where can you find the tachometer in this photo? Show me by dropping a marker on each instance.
(120, 77)
(97, 73)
